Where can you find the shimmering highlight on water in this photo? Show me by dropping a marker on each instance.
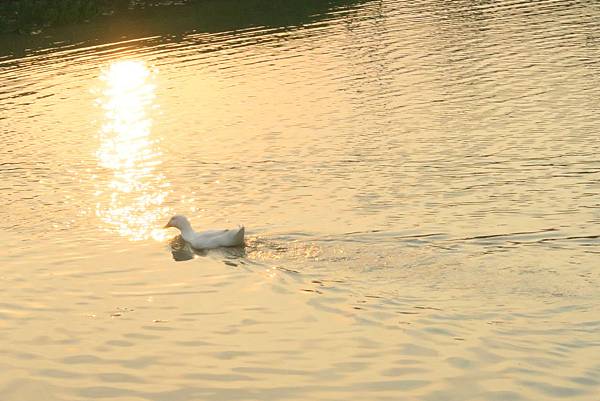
(131, 202)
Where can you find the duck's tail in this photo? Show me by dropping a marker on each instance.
(239, 236)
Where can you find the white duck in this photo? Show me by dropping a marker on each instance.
(206, 239)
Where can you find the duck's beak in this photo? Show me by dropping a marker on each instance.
(168, 225)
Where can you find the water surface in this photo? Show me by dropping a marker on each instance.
(419, 183)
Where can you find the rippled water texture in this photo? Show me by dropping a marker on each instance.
(419, 182)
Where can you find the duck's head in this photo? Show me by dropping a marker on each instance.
(178, 221)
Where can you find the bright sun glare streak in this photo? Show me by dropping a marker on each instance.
(132, 201)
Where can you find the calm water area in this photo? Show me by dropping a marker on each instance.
(419, 182)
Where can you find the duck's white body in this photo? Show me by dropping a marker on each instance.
(207, 239)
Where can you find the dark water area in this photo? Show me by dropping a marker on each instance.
(172, 22)
(419, 184)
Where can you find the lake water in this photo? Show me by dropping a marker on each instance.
(419, 182)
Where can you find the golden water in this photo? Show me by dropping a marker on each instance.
(419, 183)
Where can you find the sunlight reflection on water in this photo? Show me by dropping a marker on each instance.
(131, 203)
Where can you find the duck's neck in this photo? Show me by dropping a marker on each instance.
(186, 230)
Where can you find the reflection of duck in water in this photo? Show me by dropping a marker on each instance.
(207, 239)
(182, 250)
